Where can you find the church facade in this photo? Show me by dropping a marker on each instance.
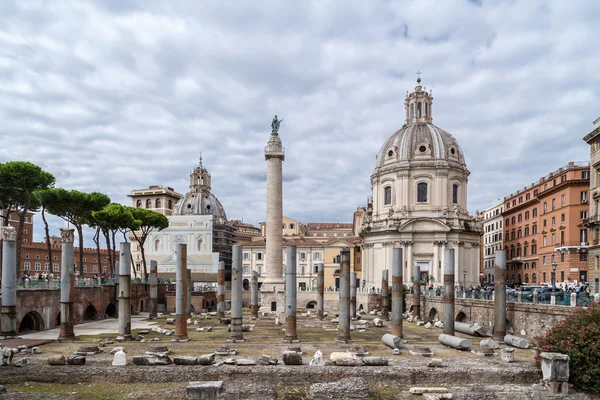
(419, 202)
(198, 220)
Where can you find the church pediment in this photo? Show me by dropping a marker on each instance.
(423, 225)
(172, 260)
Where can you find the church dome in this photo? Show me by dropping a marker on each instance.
(419, 139)
(199, 200)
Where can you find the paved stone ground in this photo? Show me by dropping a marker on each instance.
(467, 375)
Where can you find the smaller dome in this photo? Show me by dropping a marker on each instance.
(198, 203)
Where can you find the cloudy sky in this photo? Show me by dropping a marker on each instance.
(117, 95)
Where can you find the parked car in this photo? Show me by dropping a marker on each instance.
(527, 292)
(545, 293)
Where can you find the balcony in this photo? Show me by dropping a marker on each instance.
(592, 220)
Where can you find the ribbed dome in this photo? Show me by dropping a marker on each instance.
(420, 141)
(198, 203)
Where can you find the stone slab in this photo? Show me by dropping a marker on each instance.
(203, 390)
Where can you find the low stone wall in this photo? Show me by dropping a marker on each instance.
(529, 320)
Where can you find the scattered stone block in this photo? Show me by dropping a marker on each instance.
(359, 351)
(36, 350)
(335, 320)
(437, 396)
(392, 341)
(421, 351)
(423, 390)
(170, 321)
(489, 343)
(396, 352)
(57, 360)
(295, 349)
(375, 361)
(206, 359)
(555, 366)
(427, 325)
(143, 332)
(507, 355)
(347, 388)
(516, 341)
(76, 360)
(378, 322)
(317, 360)
(88, 351)
(225, 351)
(120, 358)
(420, 323)
(229, 361)
(268, 360)
(483, 351)
(23, 347)
(7, 356)
(345, 359)
(455, 342)
(152, 360)
(116, 349)
(160, 349)
(185, 360)
(245, 362)
(21, 362)
(435, 362)
(204, 390)
(292, 358)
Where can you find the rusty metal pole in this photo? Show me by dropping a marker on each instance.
(449, 292)
(181, 293)
(66, 285)
(500, 295)
(221, 290)
(385, 313)
(9, 282)
(320, 290)
(254, 295)
(417, 291)
(290, 295)
(236, 295)
(397, 292)
(153, 281)
(352, 294)
(344, 299)
(125, 293)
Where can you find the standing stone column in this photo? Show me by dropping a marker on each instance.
(274, 155)
(236, 295)
(221, 290)
(449, 292)
(417, 291)
(320, 290)
(500, 295)
(385, 313)
(66, 285)
(181, 293)
(125, 293)
(153, 280)
(344, 299)
(397, 292)
(352, 294)
(9, 282)
(254, 295)
(290, 295)
(189, 293)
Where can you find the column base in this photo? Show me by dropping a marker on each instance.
(178, 339)
(346, 340)
(236, 339)
(126, 337)
(254, 311)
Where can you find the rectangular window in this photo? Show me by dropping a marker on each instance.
(46, 267)
(292, 226)
(55, 267)
(583, 256)
(544, 262)
(583, 236)
(544, 241)
(534, 212)
(455, 194)
(527, 196)
(553, 239)
(85, 268)
(534, 229)
(584, 215)
(544, 277)
(553, 221)
(526, 215)
(316, 268)
(95, 269)
(562, 217)
(421, 192)
(553, 204)
(259, 256)
(246, 256)
(562, 276)
(562, 257)
(545, 207)
(316, 256)
(544, 223)
(38, 266)
(358, 260)
(245, 269)
(520, 199)
(533, 249)
(520, 218)
(585, 174)
(303, 256)
(584, 197)
(562, 200)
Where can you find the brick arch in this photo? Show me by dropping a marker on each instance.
(31, 322)
(461, 317)
(311, 304)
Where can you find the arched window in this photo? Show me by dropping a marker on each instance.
(138, 203)
(426, 109)
(200, 244)
(455, 193)
(411, 115)
(419, 110)
(533, 278)
(533, 267)
(387, 195)
(148, 203)
(526, 278)
(421, 192)
(158, 203)
(156, 244)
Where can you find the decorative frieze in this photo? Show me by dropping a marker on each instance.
(67, 235)
(9, 233)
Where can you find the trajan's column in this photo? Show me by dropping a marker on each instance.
(274, 155)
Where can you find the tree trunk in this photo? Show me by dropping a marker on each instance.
(98, 254)
(141, 240)
(21, 215)
(115, 252)
(144, 262)
(80, 233)
(48, 244)
(110, 254)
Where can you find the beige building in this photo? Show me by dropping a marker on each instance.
(593, 220)
(324, 231)
(243, 232)
(492, 238)
(290, 227)
(161, 199)
(419, 201)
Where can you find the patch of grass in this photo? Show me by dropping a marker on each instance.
(102, 390)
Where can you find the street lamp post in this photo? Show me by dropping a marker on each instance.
(465, 279)
(554, 274)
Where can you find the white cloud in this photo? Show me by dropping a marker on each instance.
(112, 96)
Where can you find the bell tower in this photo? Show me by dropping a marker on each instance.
(200, 179)
(417, 105)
